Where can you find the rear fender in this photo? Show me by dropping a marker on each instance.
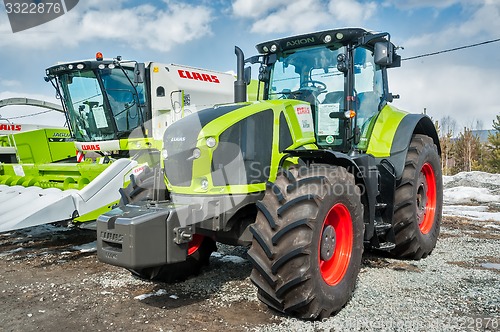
(392, 134)
(409, 126)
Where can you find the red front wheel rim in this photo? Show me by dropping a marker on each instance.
(427, 189)
(334, 269)
(195, 244)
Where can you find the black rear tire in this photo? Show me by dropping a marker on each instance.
(141, 188)
(418, 201)
(297, 267)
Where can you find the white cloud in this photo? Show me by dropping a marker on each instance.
(352, 11)
(482, 24)
(416, 4)
(454, 90)
(302, 15)
(256, 8)
(295, 17)
(9, 83)
(144, 26)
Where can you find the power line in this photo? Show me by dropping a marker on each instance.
(28, 115)
(452, 49)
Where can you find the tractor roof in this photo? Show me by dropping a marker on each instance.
(335, 37)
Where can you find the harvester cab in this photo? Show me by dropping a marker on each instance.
(308, 177)
(118, 107)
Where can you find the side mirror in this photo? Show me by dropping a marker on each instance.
(247, 75)
(264, 73)
(383, 53)
(139, 73)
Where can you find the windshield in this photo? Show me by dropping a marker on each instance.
(309, 71)
(102, 104)
(311, 75)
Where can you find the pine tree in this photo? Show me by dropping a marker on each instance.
(493, 147)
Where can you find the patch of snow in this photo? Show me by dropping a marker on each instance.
(479, 213)
(492, 226)
(473, 179)
(10, 252)
(175, 297)
(87, 247)
(491, 266)
(464, 195)
(145, 296)
(233, 259)
(228, 258)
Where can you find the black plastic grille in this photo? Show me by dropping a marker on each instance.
(179, 169)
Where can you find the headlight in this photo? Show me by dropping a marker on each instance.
(196, 153)
(211, 142)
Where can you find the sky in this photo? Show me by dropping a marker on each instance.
(463, 85)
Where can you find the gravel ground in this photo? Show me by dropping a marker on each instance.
(51, 280)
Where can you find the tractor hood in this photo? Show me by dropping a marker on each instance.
(180, 142)
(230, 148)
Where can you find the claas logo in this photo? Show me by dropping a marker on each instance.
(193, 75)
(91, 147)
(10, 127)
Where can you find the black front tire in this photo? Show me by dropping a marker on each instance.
(297, 267)
(181, 271)
(418, 201)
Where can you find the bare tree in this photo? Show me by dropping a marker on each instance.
(446, 128)
(467, 151)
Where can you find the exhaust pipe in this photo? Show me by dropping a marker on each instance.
(240, 87)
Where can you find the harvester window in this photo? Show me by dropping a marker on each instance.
(122, 99)
(102, 103)
(83, 96)
(160, 91)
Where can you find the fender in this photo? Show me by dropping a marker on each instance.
(410, 125)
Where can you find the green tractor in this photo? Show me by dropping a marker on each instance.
(320, 169)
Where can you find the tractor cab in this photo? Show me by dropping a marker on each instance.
(341, 73)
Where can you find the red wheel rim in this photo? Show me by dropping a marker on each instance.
(195, 244)
(426, 220)
(334, 269)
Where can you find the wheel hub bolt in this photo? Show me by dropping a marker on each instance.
(328, 241)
